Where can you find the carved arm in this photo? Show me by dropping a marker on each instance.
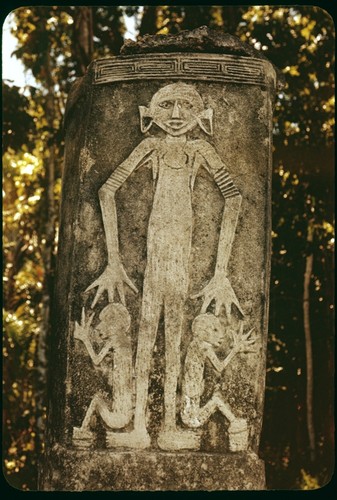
(97, 358)
(114, 277)
(106, 193)
(219, 288)
(242, 342)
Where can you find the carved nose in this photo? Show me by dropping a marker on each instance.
(176, 110)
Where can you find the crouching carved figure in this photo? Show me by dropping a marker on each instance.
(115, 361)
(208, 335)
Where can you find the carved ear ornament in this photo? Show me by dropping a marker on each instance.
(145, 119)
(205, 121)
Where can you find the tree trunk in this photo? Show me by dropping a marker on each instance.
(308, 342)
(82, 42)
(148, 24)
(47, 252)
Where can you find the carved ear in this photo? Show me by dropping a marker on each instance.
(145, 119)
(205, 121)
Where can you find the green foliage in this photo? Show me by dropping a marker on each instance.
(299, 40)
(18, 124)
(23, 278)
(308, 482)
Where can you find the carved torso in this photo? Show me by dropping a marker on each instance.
(170, 224)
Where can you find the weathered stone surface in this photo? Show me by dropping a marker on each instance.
(201, 39)
(151, 471)
(161, 302)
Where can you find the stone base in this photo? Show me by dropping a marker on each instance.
(87, 470)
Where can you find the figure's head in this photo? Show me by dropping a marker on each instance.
(176, 109)
(114, 320)
(207, 327)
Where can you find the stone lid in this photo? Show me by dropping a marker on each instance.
(202, 39)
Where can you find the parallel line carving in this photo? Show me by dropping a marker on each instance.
(218, 68)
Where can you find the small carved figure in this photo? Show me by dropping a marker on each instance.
(208, 336)
(112, 331)
(175, 159)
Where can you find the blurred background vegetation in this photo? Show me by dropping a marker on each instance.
(55, 45)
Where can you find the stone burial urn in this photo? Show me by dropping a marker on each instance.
(158, 346)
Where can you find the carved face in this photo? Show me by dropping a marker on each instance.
(214, 334)
(177, 109)
(114, 321)
(104, 332)
(208, 328)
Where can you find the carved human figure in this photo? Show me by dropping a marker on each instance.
(175, 159)
(208, 335)
(115, 361)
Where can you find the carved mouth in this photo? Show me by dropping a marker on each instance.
(176, 124)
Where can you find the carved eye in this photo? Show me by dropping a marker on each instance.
(187, 105)
(165, 104)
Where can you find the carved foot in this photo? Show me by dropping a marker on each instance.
(82, 438)
(238, 435)
(134, 439)
(179, 440)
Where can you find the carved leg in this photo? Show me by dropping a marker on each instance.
(238, 433)
(170, 438)
(82, 436)
(194, 416)
(113, 419)
(215, 403)
(237, 430)
(190, 411)
(97, 400)
(151, 307)
(146, 339)
(122, 388)
(173, 327)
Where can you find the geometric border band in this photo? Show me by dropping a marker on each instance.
(209, 67)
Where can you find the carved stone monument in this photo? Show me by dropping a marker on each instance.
(161, 303)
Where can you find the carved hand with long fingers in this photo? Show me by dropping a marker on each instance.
(113, 278)
(242, 342)
(220, 290)
(82, 329)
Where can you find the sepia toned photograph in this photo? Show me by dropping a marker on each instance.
(168, 243)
